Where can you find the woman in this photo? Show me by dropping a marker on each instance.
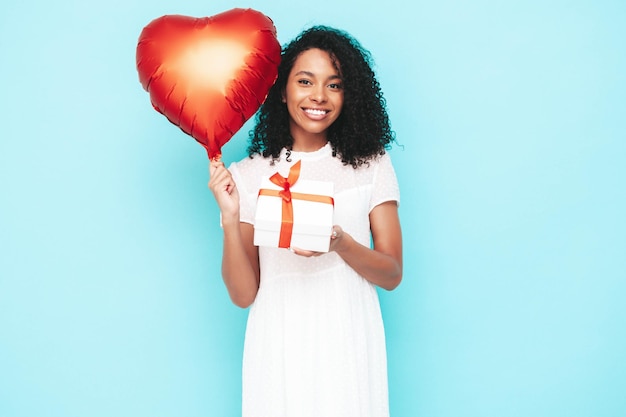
(315, 343)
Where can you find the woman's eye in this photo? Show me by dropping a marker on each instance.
(304, 82)
(335, 86)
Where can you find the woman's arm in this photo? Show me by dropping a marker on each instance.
(240, 260)
(381, 265)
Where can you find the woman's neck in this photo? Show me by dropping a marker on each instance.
(308, 144)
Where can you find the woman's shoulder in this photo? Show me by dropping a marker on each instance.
(377, 169)
(253, 162)
(375, 163)
(250, 169)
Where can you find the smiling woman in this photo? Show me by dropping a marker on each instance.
(315, 343)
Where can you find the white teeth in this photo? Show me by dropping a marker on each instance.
(315, 112)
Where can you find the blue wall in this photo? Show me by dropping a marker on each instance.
(512, 121)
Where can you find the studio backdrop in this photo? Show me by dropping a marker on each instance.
(510, 125)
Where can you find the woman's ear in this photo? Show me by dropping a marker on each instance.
(282, 96)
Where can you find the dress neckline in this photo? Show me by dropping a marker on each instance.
(318, 154)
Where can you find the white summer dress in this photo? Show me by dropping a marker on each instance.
(315, 343)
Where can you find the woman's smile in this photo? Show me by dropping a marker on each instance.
(316, 114)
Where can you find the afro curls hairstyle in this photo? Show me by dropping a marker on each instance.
(361, 132)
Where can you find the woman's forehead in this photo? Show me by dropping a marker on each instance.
(316, 61)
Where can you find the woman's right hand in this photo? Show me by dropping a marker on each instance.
(224, 190)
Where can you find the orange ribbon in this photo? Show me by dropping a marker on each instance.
(286, 225)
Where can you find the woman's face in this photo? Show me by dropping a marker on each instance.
(313, 94)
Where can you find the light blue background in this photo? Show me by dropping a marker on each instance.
(512, 117)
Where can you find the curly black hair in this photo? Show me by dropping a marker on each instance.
(361, 132)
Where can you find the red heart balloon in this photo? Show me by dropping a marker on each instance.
(209, 75)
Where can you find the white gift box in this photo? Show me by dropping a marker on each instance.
(312, 206)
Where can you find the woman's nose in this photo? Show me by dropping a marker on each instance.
(318, 95)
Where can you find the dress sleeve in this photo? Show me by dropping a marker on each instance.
(247, 197)
(385, 184)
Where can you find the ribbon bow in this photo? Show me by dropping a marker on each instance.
(286, 183)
